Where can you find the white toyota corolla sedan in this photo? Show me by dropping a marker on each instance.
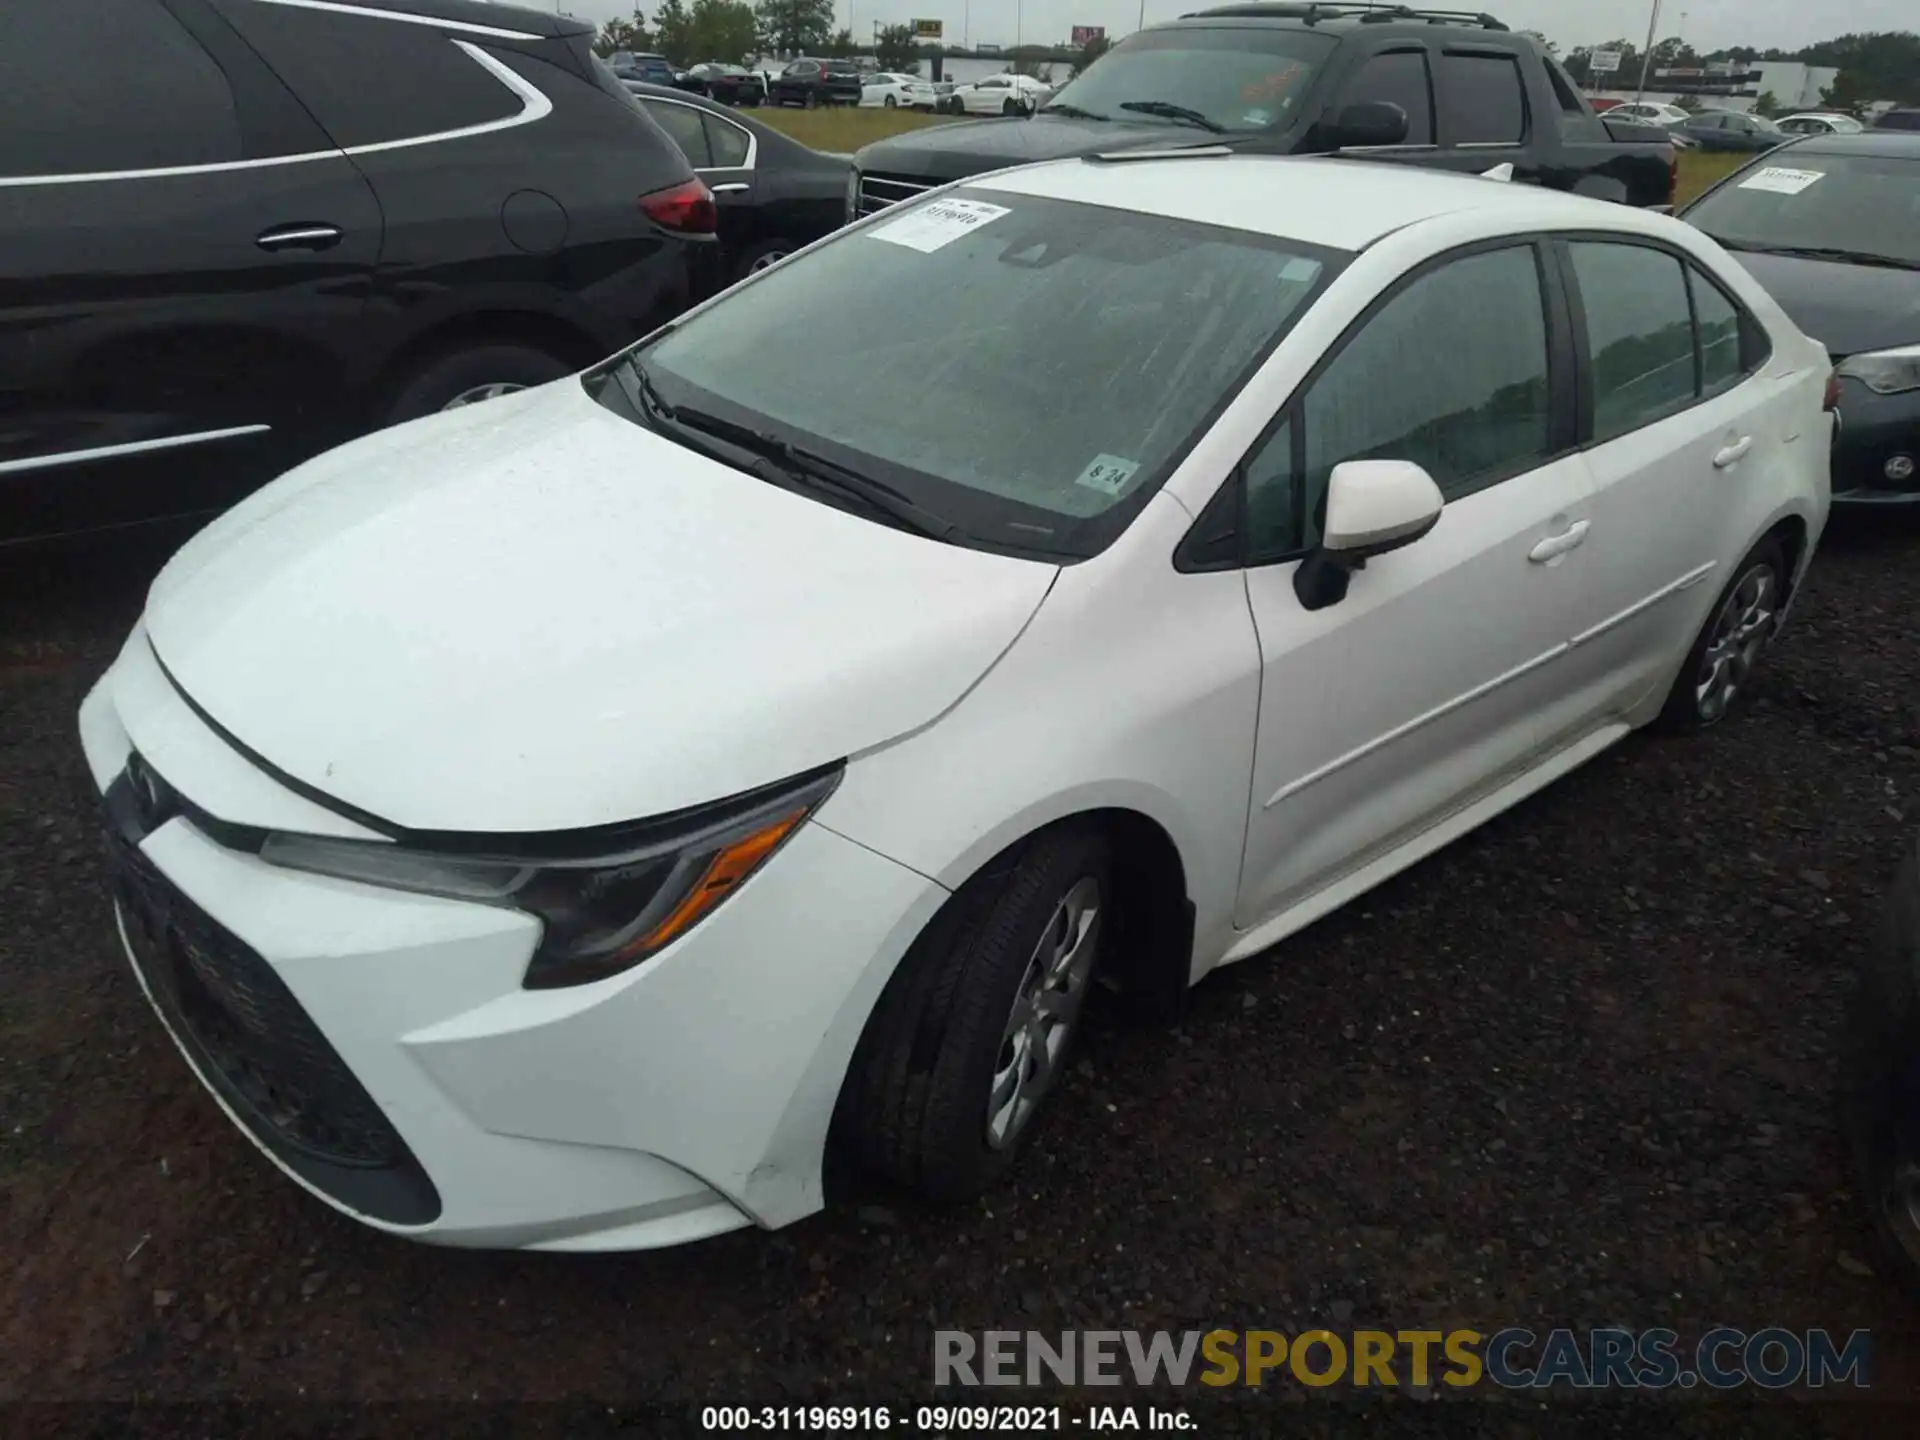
(558, 822)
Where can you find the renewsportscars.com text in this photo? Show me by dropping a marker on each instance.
(1513, 1358)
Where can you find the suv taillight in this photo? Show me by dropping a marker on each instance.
(1832, 402)
(686, 207)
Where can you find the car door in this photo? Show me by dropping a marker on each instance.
(1436, 677)
(1680, 426)
(183, 261)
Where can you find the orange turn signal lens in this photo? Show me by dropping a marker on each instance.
(724, 873)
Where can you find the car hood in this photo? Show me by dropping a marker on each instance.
(1848, 308)
(953, 152)
(534, 615)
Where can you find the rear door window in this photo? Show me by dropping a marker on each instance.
(1481, 100)
(728, 143)
(1639, 334)
(682, 122)
(1398, 77)
(370, 80)
(152, 99)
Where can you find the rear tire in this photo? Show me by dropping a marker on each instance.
(889, 102)
(1721, 662)
(461, 376)
(975, 1030)
(1009, 107)
(758, 257)
(811, 102)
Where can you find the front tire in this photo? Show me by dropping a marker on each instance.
(465, 377)
(1721, 662)
(1880, 1103)
(976, 1027)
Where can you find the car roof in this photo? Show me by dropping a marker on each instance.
(1340, 204)
(483, 14)
(1895, 144)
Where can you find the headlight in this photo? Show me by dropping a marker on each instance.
(606, 899)
(1885, 372)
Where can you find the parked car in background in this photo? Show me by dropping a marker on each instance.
(1898, 120)
(888, 90)
(1650, 111)
(900, 725)
(813, 83)
(643, 65)
(1881, 1093)
(998, 95)
(1815, 123)
(773, 194)
(1730, 130)
(1323, 79)
(225, 250)
(1831, 227)
(729, 84)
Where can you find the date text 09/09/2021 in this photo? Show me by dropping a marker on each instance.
(945, 1419)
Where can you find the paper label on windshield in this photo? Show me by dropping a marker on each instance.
(1782, 181)
(937, 224)
(1107, 473)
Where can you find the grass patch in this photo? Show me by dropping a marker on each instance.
(844, 129)
(1699, 170)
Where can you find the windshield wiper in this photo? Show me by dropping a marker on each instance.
(1074, 110)
(1831, 252)
(1166, 109)
(781, 462)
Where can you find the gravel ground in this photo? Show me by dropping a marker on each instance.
(1576, 1070)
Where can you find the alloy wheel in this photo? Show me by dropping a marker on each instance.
(1739, 635)
(761, 262)
(475, 394)
(1046, 1007)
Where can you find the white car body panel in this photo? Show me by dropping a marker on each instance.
(533, 615)
(581, 537)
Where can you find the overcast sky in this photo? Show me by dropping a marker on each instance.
(1708, 24)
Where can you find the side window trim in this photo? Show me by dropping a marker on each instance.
(534, 106)
(1562, 423)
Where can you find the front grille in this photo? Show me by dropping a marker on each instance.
(879, 191)
(257, 1046)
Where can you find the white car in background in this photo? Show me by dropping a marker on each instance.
(999, 95)
(554, 822)
(887, 90)
(1819, 123)
(1649, 112)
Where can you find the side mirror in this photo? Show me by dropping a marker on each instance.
(1373, 506)
(1370, 122)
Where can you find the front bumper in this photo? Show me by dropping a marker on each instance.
(378, 1046)
(1873, 431)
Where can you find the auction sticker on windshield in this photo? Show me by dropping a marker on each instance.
(1782, 181)
(939, 223)
(1107, 473)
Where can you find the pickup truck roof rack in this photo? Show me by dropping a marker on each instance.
(1367, 12)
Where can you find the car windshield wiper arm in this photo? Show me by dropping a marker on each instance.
(781, 461)
(1074, 110)
(1166, 109)
(1835, 252)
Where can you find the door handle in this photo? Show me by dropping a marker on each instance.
(298, 237)
(1733, 454)
(1554, 546)
(732, 187)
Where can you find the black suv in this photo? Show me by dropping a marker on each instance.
(814, 83)
(1450, 89)
(243, 231)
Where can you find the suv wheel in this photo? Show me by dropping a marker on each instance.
(812, 102)
(465, 377)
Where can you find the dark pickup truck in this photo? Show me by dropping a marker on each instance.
(1439, 88)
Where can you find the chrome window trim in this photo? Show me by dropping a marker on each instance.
(400, 16)
(133, 447)
(753, 140)
(534, 105)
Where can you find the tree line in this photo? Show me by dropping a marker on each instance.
(1884, 65)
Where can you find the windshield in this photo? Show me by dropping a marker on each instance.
(1868, 204)
(1025, 370)
(1236, 79)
